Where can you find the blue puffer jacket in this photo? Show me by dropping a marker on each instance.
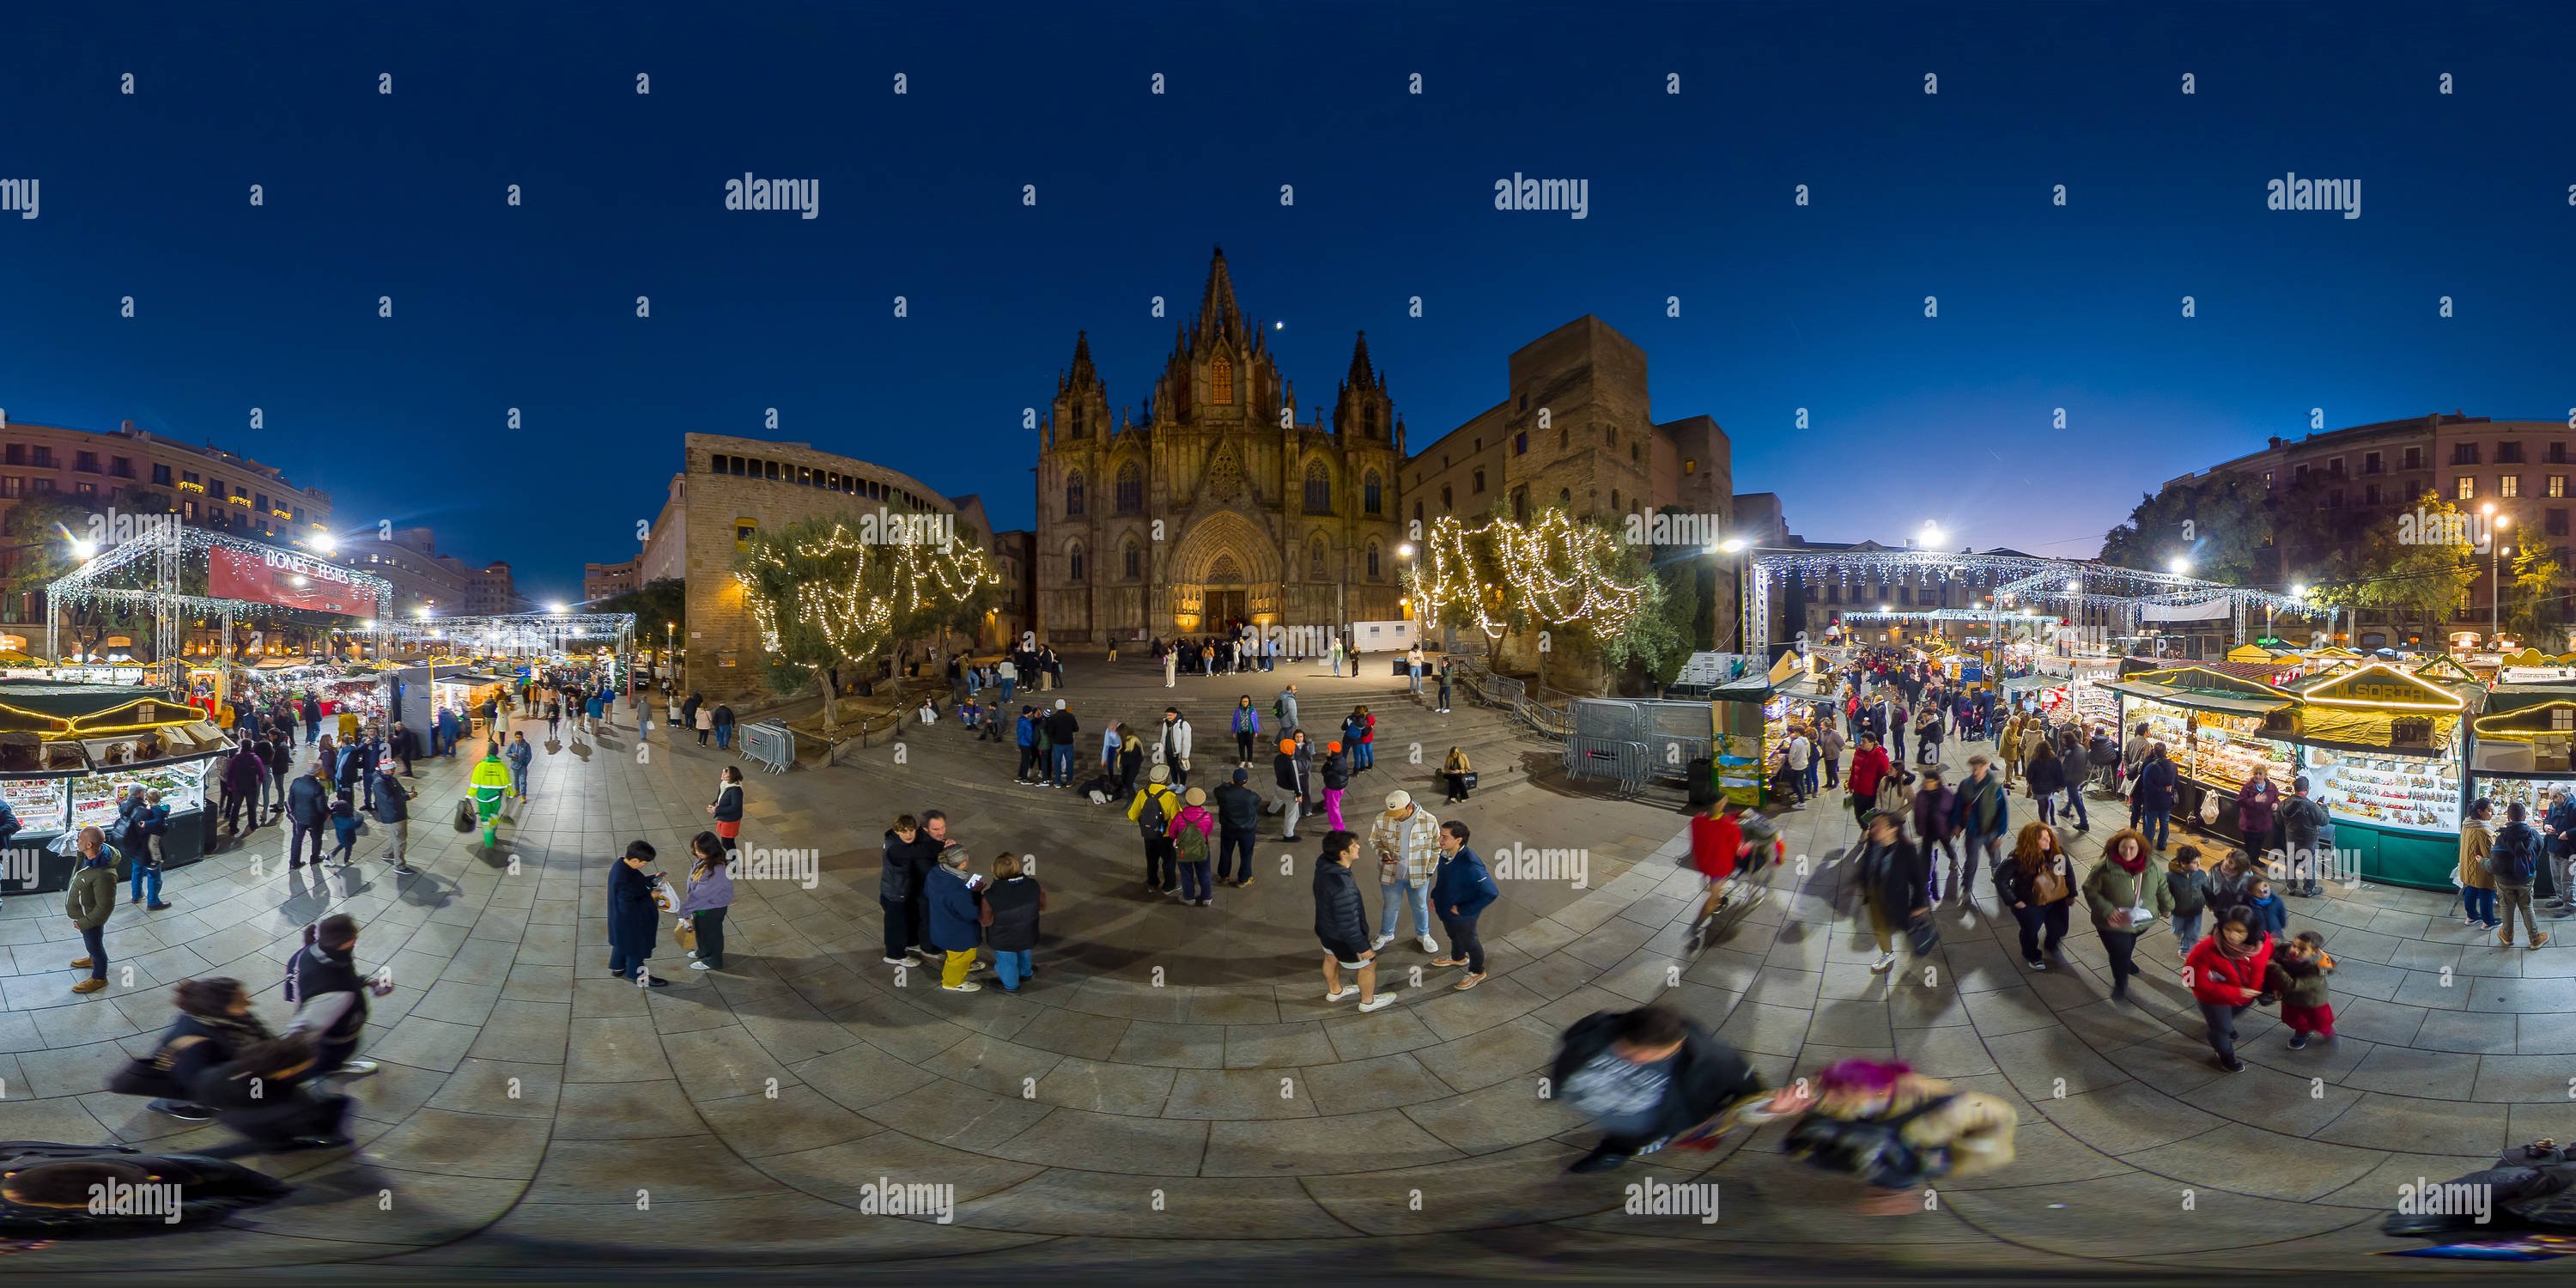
(1462, 882)
(955, 922)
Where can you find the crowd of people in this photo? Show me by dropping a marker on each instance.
(1926, 840)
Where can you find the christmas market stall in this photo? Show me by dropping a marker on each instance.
(2520, 743)
(2217, 727)
(69, 752)
(2382, 751)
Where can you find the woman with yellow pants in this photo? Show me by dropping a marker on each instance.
(955, 922)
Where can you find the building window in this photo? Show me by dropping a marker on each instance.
(1564, 438)
(160, 476)
(2468, 488)
(1319, 489)
(2299, 473)
(1135, 562)
(1632, 453)
(41, 486)
(2370, 494)
(121, 466)
(2464, 454)
(1221, 382)
(2414, 458)
(2370, 463)
(1417, 512)
(1690, 465)
(1073, 561)
(13, 486)
(1520, 505)
(1524, 402)
(17, 454)
(2509, 453)
(2267, 478)
(1073, 494)
(2509, 485)
(2555, 522)
(1564, 499)
(1131, 488)
(44, 457)
(1614, 500)
(1478, 480)
(1520, 443)
(2557, 485)
(1372, 495)
(1372, 561)
(769, 470)
(1448, 505)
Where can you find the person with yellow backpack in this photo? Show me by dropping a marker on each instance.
(1152, 812)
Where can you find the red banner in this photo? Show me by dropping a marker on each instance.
(286, 580)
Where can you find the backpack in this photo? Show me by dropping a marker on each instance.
(1153, 821)
(2512, 861)
(1193, 845)
(1277, 711)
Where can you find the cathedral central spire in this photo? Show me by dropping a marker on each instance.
(1218, 317)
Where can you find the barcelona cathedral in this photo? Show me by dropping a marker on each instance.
(1220, 506)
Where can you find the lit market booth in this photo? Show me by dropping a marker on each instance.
(2217, 727)
(69, 752)
(1749, 709)
(2522, 746)
(2381, 750)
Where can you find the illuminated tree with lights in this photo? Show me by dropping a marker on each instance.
(1551, 575)
(823, 598)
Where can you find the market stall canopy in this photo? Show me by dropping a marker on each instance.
(2445, 670)
(474, 678)
(2200, 688)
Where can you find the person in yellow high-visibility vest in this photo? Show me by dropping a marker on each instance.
(491, 782)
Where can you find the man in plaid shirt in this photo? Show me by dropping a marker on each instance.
(1407, 840)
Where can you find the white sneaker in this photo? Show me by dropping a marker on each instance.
(693, 952)
(969, 986)
(1884, 961)
(699, 966)
(1347, 990)
(1429, 945)
(356, 1068)
(1380, 942)
(1380, 1002)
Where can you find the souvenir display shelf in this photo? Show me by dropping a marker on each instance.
(2216, 750)
(2390, 791)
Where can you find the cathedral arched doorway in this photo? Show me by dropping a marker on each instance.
(1224, 571)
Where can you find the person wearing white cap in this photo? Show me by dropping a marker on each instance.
(1407, 840)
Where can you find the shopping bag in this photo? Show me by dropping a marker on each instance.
(464, 817)
(1922, 933)
(687, 933)
(1468, 780)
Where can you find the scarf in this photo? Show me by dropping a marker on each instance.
(235, 1031)
(2241, 953)
(2131, 867)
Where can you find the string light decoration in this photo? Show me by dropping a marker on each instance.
(1554, 571)
(855, 594)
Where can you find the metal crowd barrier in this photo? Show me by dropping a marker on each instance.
(767, 743)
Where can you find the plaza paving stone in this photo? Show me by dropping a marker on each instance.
(1173, 1091)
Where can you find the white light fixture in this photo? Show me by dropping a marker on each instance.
(2182, 567)
(1733, 544)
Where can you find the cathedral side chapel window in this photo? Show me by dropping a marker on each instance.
(1221, 382)
(1319, 489)
(1074, 557)
(1369, 493)
(1073, 497)
(1131, 488)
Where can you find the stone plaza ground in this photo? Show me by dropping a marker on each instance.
(1172, 1094)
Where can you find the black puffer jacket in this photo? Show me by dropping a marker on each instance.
(1340, 917)
(906, 864)
(1238, 809)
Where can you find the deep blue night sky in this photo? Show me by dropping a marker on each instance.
(1782, 307)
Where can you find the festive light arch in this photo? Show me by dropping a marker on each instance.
(2010, 579)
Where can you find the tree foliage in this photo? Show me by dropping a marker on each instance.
(822, 597)
(2219, 522)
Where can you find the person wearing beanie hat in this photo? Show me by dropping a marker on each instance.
(1153, 811)
(1193, 834)
(1238, 819)
(1407, 841)
(1336, 772)
(1288, 791)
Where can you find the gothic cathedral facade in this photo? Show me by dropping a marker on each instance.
(1218, 505)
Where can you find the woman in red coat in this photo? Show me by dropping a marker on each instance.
(2225, 972)
(1869, 765)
